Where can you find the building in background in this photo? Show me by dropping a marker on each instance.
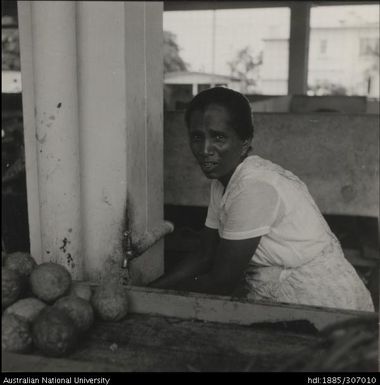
(274, 68)
(343, 58)
(345, 53)
(181, 86)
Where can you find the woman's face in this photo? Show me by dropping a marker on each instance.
(215, 144)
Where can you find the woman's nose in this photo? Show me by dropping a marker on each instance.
(208, 147)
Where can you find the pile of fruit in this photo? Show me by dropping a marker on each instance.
(44, 309)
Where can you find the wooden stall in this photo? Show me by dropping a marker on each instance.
(186, 332)
(94, 163)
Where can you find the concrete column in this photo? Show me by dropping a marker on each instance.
(48, 46)
(299, 47)
(93, 73)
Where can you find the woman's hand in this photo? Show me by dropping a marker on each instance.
(192, 265)
(228, 266)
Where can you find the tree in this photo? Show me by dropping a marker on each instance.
(10, 50)
(172, 60)
(326, 87)
(246, 66)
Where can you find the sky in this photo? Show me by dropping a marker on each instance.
(235, 29)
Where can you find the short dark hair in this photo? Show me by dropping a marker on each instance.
(236, 104)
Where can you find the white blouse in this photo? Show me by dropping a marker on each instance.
(298, 260)
(260, 201)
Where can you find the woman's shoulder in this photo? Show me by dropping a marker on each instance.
(260, 168)
(255, 168)
(255, 175)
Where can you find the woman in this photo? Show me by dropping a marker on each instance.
(262, 225)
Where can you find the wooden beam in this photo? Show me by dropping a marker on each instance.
(170, 303)
(13, 362)
(209, 5)
(299, 47)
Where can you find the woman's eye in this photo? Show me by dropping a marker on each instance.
(196, 138)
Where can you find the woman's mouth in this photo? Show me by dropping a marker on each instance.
(208, 166)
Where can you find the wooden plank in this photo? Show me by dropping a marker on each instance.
(156, 343)
(299, 47)
(172, 331)
(143, 57)
(12, 362)
(230, 310)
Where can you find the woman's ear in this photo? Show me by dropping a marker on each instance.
(246, 147)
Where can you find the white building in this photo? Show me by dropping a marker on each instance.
(341, 52)
(201, 80)
(181, 86)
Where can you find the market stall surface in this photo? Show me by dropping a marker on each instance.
(143, 342)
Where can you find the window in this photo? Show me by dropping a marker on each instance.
(246, 49)
(10, 56)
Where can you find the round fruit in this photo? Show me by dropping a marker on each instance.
(50, 281)
(81, 290)
(16, 335)
(78, 309)
(11, 287)
(110, 301)
(54, 332)
(21, 262)
(27, 308)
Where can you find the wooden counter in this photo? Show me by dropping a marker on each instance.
(170, 331)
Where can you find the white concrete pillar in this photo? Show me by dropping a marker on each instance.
(48, 45)
(112, 81)
(120, 86)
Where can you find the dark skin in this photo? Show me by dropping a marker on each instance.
(220, 264)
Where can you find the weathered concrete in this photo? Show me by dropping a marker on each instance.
(329, 103)
(337, 156)
(92, 113)
(51, 122)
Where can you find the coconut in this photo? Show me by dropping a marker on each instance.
(54, 332)
(81, 290)
(22, 263)
(50, 281)
(78, 309)
(12, 286)
(110, 301)
(27, 308)
(16, 334)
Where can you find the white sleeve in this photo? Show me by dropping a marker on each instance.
(251, 212)
(212, 213)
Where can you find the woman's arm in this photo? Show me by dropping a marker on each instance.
(195, 264)
(229, 263)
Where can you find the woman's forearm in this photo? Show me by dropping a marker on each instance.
(191, 266)
(206, 283)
